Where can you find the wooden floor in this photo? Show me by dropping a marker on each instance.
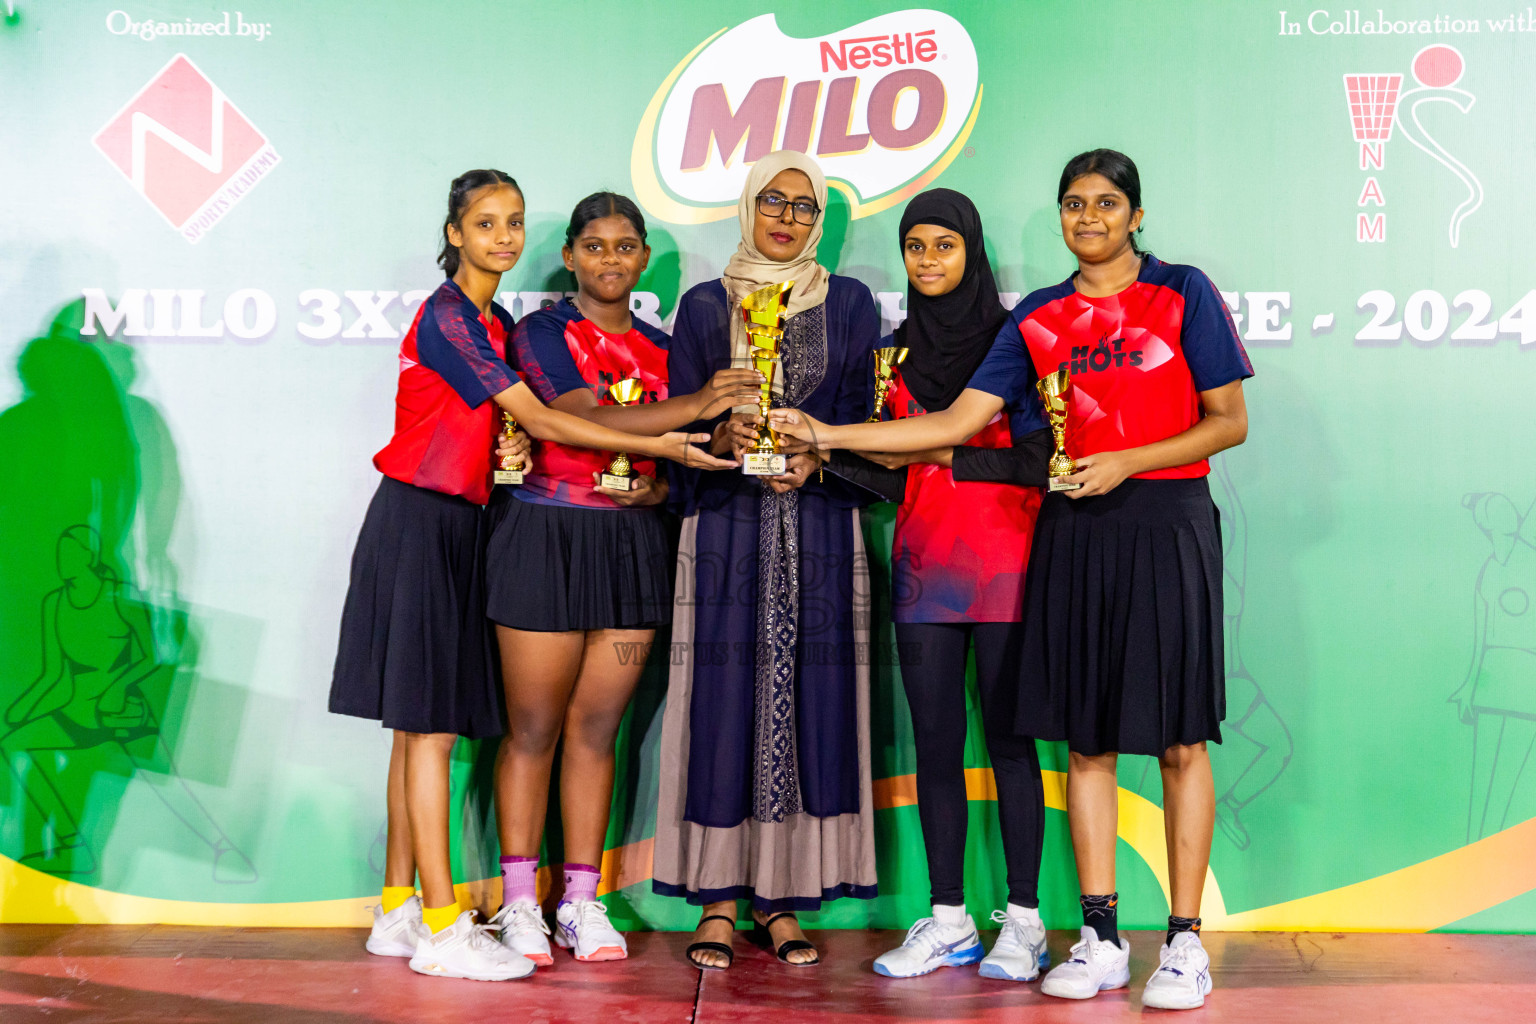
(90, 974)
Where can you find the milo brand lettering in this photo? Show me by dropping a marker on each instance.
(885, 106)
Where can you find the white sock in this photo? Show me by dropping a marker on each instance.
(950, 917)
(1025, 915)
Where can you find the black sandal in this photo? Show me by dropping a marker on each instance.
(711, 947)
(788, 946)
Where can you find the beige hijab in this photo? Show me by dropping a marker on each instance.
(750, 270)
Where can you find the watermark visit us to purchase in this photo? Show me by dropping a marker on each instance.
(228, 24)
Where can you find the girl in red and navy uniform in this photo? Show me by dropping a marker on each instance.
(580, 574)
(958, 554)
(415, 648)
(1122, 646)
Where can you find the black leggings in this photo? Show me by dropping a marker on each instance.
(933, 673)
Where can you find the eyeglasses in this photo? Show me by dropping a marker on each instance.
(770, 205)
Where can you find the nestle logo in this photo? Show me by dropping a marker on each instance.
(186, 148)
(879, 51)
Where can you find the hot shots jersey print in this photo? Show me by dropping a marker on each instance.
(452, 362)
(960, 547)
(558, 351)
(1138, 359)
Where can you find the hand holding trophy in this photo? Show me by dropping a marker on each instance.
(505, 474)
(886, 361)
(619, 476)
(763, 311)
(1053, 389)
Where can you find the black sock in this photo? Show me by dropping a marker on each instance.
(1100, 914)
(1182, 924)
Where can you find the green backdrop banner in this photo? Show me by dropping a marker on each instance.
(219, 220)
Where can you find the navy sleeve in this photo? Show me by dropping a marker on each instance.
(1007, 372)
(456, 347)
(543, 357)
(1212, 349)
(856, 389)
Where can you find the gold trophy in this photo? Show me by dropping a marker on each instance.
(619, 476)
(503, 475)
(886, 361)
(763, 311)
(1053, 393)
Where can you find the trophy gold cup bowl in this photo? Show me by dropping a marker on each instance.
(886, 361)
(763, 311)
(504, 474)
(620, 476)
(1054, 389)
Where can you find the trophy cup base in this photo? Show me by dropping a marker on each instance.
(509, 477)
(614, 482)
(1059, 483)
(763, 463)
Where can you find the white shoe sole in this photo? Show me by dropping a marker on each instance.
(1171, 1004)
(995, 970)
(598, 955)
(385, 947)
(1112, 982)
(433, 969)
(959, 958)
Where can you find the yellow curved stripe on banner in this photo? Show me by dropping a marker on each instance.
(1141, 822)
(1418, 898)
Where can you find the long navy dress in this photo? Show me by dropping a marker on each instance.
(765, 784)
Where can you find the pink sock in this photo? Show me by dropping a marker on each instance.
(519, 879)
(581, 882)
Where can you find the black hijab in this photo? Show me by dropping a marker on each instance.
(949, 336)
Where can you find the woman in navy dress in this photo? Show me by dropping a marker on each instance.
(765, 784)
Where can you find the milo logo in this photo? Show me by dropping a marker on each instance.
(884, 106)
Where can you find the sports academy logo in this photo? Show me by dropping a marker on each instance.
(1378, 103)
(186, 148)
(884, 106)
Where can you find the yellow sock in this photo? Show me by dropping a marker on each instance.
(395, 896)
(438, 918)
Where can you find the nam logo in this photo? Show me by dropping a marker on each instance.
(186, 148)
(1378, 103)
(884, 107)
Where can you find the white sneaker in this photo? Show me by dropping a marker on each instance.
(1019, 952)
(1184, 978)
(524, 931)
(395, 933)
(466, 949)
(930, 945)
(1095, 965)
(582, 927)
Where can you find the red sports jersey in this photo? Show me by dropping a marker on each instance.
(558, 350)
(452, 362)
(1138, 359)
(960, 548)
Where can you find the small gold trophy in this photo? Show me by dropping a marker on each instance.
(1053, 393)
(503, 475)
(619, 476)
(886, 361)
(763, 311)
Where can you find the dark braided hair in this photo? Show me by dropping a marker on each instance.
(459, 195)
(599, 205)
(1112, 164)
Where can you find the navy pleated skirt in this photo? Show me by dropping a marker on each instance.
(417, 652)
(1122, 644)
(555, 568)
